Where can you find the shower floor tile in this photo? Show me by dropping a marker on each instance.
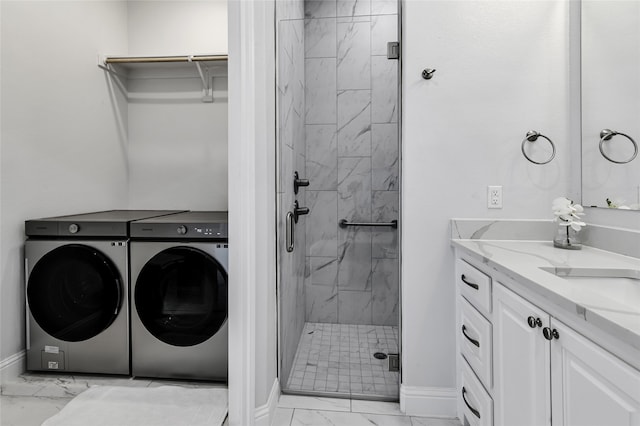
(338, 358)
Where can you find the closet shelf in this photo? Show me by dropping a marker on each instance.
(204, 64)
(162, 59)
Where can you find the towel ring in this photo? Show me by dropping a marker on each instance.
(607, 134)
(533, 136)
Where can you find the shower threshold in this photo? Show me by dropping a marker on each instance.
(341, 395)
(337, 360)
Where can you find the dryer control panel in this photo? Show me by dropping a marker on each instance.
(183, 226)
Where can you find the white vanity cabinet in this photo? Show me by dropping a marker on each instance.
(589, 385)
(522, 361)
(539, 371)
(546, 373)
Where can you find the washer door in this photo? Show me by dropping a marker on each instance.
(181, 296)
(74, 292)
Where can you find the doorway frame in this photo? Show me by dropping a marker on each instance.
(252, 312)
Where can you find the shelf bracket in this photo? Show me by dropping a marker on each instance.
(104, 65)
(117, 77)
(207, 90)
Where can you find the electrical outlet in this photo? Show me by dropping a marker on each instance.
(494, 196)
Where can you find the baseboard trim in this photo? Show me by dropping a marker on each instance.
(265, 413)
(13, 366)
(428, 402)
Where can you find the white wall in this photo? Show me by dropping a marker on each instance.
(160, 27)
(177, 147)
(62, 151)
(177, 144)
(502, 69)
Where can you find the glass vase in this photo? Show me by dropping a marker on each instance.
(567, 238)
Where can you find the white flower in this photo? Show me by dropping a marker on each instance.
(567, 213)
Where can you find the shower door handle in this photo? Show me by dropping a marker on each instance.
(290, 229)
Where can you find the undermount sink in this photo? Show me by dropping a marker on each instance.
(567, 272)
(621, 285)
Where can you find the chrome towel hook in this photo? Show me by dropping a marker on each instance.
(427, 73)
(533, 136)
(607, 134)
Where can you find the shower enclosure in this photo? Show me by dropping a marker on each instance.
(338, 197)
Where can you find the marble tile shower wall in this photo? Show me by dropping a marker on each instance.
(351, 132)
(291, 157)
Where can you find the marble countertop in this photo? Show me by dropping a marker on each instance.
(614, 309)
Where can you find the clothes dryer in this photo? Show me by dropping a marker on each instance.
(77, 285)
(179, 266)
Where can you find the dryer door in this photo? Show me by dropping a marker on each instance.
(181, 296)
(74, 292)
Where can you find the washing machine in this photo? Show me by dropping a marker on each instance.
(179, 266)
(77, 285)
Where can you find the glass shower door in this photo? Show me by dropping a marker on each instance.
(338, 128)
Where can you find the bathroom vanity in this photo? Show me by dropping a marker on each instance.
(545, 335)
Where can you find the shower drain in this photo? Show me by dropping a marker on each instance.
(380, 355)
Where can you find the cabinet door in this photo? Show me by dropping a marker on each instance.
(590, 385)
(521, 362)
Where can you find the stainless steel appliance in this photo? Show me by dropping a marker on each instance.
(77, 291)
(179, 271)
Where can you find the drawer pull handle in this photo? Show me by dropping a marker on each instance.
(473, 410)
(534, 322)
(550, 334)
(472, 285)
(474, 341)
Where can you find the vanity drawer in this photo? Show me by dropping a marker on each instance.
(476, 342)
(475, 286)
(477, 405)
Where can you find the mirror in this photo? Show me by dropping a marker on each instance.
(610, 67)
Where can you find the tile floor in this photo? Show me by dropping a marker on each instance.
(338, 358)
(33, 398)
(305, 411)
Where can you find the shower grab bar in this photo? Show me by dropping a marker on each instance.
(344, 223)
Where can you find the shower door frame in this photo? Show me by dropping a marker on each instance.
(280, 215)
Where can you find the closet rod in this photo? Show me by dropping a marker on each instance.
(149, 59)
